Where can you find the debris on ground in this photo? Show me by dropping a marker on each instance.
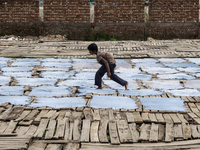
(34, 38)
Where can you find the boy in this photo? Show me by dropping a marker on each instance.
(108, 64)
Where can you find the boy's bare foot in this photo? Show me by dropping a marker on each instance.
(99, 88)
(126, 86)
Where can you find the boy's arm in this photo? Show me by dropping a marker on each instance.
(107, 66)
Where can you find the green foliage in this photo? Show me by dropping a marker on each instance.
(101, 36)
(113, 39)
(44, 133)
(108, 138)
(91, 0)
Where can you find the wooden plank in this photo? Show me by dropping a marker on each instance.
(186, 131)
(67, 129)
(9, 143)
(96, 115)
(68, 114)
(169, 134)
(53, 141)
(41, 128)
(85, 133)
(31, 131)
(21, 130)
(60, 129)
(23, 115)
(13, 146)
(15, 113)
(3, 126)
(194, 109)
(145, 132)
(49, 114)
(194, 132)
(71, 130)
(175, 118)
(191, 99)
(167, 118)
(88, 113)
(113, 133)
(50, 129)
(145, 117)
(104, 114)
(154, 133)
(137, 117)
(193, 116)
(152, 117)
(26, 123)
(161, 132)
(198, 106)
(1, 109)
(5, 113)
(5, 105)
(37, 146)
(117, 115)
(139, 109)
(76, 116)
(11, 127)
(61, 114)
(197, 99)
(32, 115)
(71, 146)
(178, 132)
(134, 132)
(123, 115)
(76, 130)
(182, 119)
(54, 147)
(110, 114)
(103, 131)
(41, 114)
(124, 132)
(79, 109)
(160, 118)
(55, 116)
(130, 117)
(185, 99)
(94, 132)
(25, 138)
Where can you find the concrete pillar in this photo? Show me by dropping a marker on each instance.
(91, 13)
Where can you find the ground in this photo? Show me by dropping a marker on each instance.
(53, 101)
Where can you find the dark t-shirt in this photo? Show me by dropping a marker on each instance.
(107, 56)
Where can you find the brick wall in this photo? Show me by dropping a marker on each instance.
(172, 30)
(122, 31)
(19, 10)
(119, 11)
(66, 10)
(173, 10)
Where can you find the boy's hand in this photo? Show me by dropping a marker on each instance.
(108, 74)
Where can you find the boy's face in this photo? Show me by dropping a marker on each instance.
(91, 52)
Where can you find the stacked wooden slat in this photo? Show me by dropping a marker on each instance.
(85, 125)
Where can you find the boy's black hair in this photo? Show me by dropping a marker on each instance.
(93, 47)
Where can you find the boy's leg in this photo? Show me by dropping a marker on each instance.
(99, 74)
(115, 78)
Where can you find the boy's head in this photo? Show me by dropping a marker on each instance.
(93, 47)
